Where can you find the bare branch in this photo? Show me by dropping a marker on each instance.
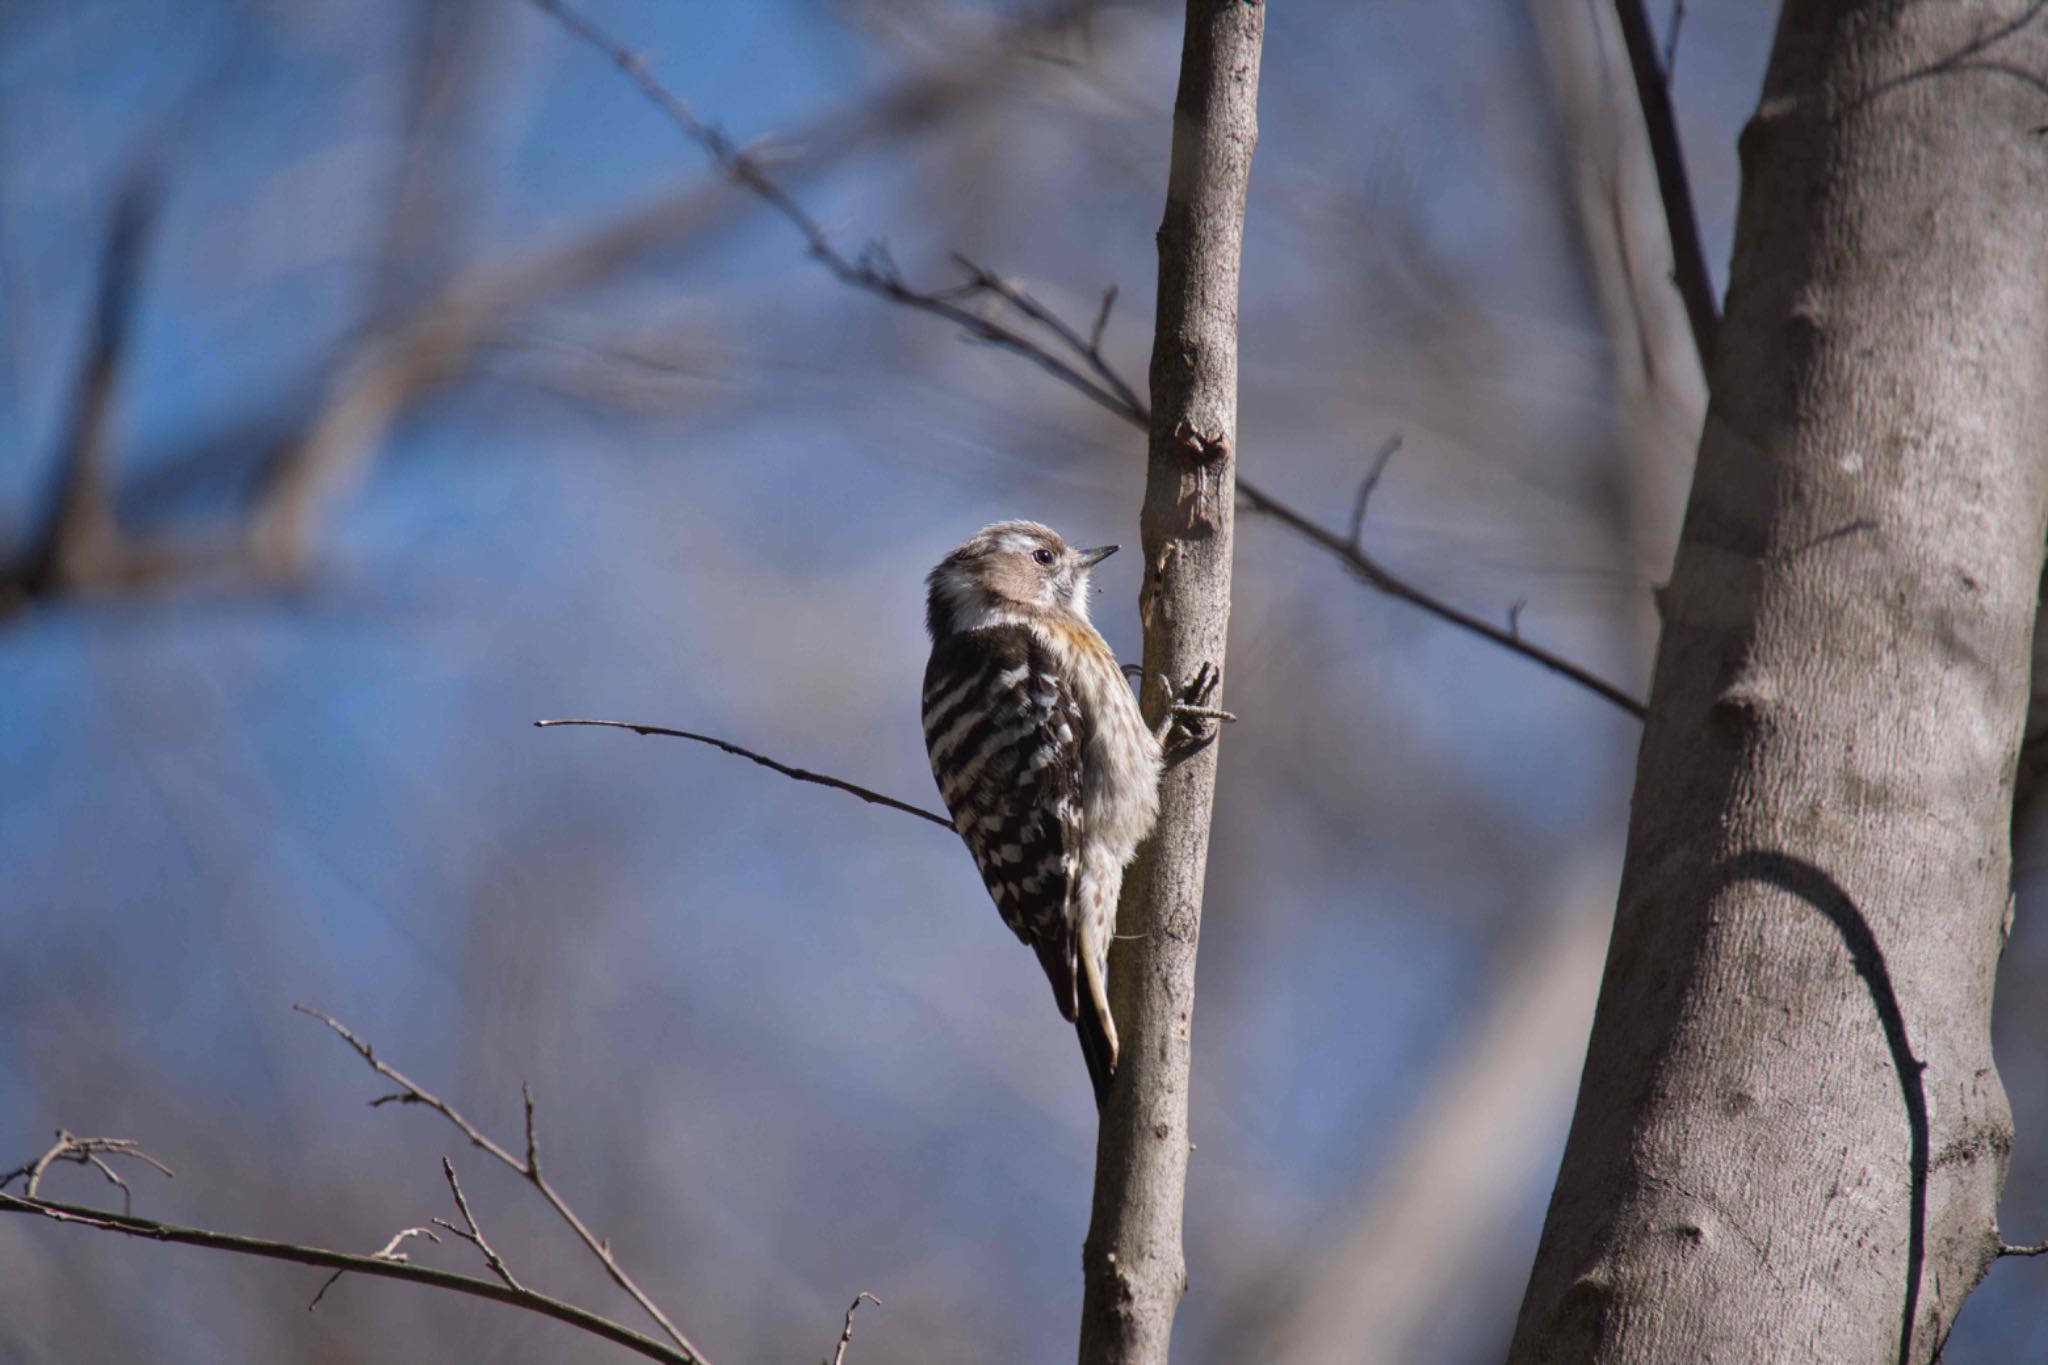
(529, 1168)
(1371, 572)
(846, 1333)
(1072, 359)
(390, 1252)
(474, 1234)
(128, 1225)
(89, 1151)
(2036, 1249)
(1688, 256)
(800, 774)
(872, 270)
(1089, 350)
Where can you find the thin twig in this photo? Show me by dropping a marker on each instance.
(1388, 449)
(1102, 320)
(2036, 1249)
(412, 1093)
(1090, 350)
(527, 1299)
(800, 774)
(475, 1233)
(1087, 372)
(1377, 575)
(389, 1253)
(846, 1333)
(1688, 257)
(88, 1151)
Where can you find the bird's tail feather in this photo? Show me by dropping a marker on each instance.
(1096, 1048)
(1097, 1029)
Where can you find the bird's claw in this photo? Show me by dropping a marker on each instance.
(1189, 722)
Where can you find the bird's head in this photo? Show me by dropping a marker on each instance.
(1013, 570)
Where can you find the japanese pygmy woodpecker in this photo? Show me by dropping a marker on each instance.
(1047, 767)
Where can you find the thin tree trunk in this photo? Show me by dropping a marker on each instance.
(1790, 1139)
(1133, 1266)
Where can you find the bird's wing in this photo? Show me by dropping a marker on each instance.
(1006, 738)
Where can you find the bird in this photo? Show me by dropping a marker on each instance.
(1044, 762)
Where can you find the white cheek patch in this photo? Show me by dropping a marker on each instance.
(968, 603)
(957, 589)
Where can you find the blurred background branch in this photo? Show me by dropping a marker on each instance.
(1653, 94)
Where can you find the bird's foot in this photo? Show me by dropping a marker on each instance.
(1190, 721)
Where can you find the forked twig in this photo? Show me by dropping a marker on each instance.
(473, 1233)
(88, 1151)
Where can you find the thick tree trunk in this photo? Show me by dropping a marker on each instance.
(1133, 1267)
(1790, 1138)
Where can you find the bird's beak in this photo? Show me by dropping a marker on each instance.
(1090, 558)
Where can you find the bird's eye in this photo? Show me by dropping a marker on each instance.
(1043, 556)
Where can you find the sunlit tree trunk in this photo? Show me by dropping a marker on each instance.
(1790, 1138)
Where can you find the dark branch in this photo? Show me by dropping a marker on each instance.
(1688, 257)
(800, 774)
(1073, 360)
(1375, 575)
(1388, 449)
(873, 271)
(389, 1269)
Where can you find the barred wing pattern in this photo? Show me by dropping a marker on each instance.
(1006, 738)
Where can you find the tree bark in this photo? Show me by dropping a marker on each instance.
(1790, 1138)
(1133, 1266)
